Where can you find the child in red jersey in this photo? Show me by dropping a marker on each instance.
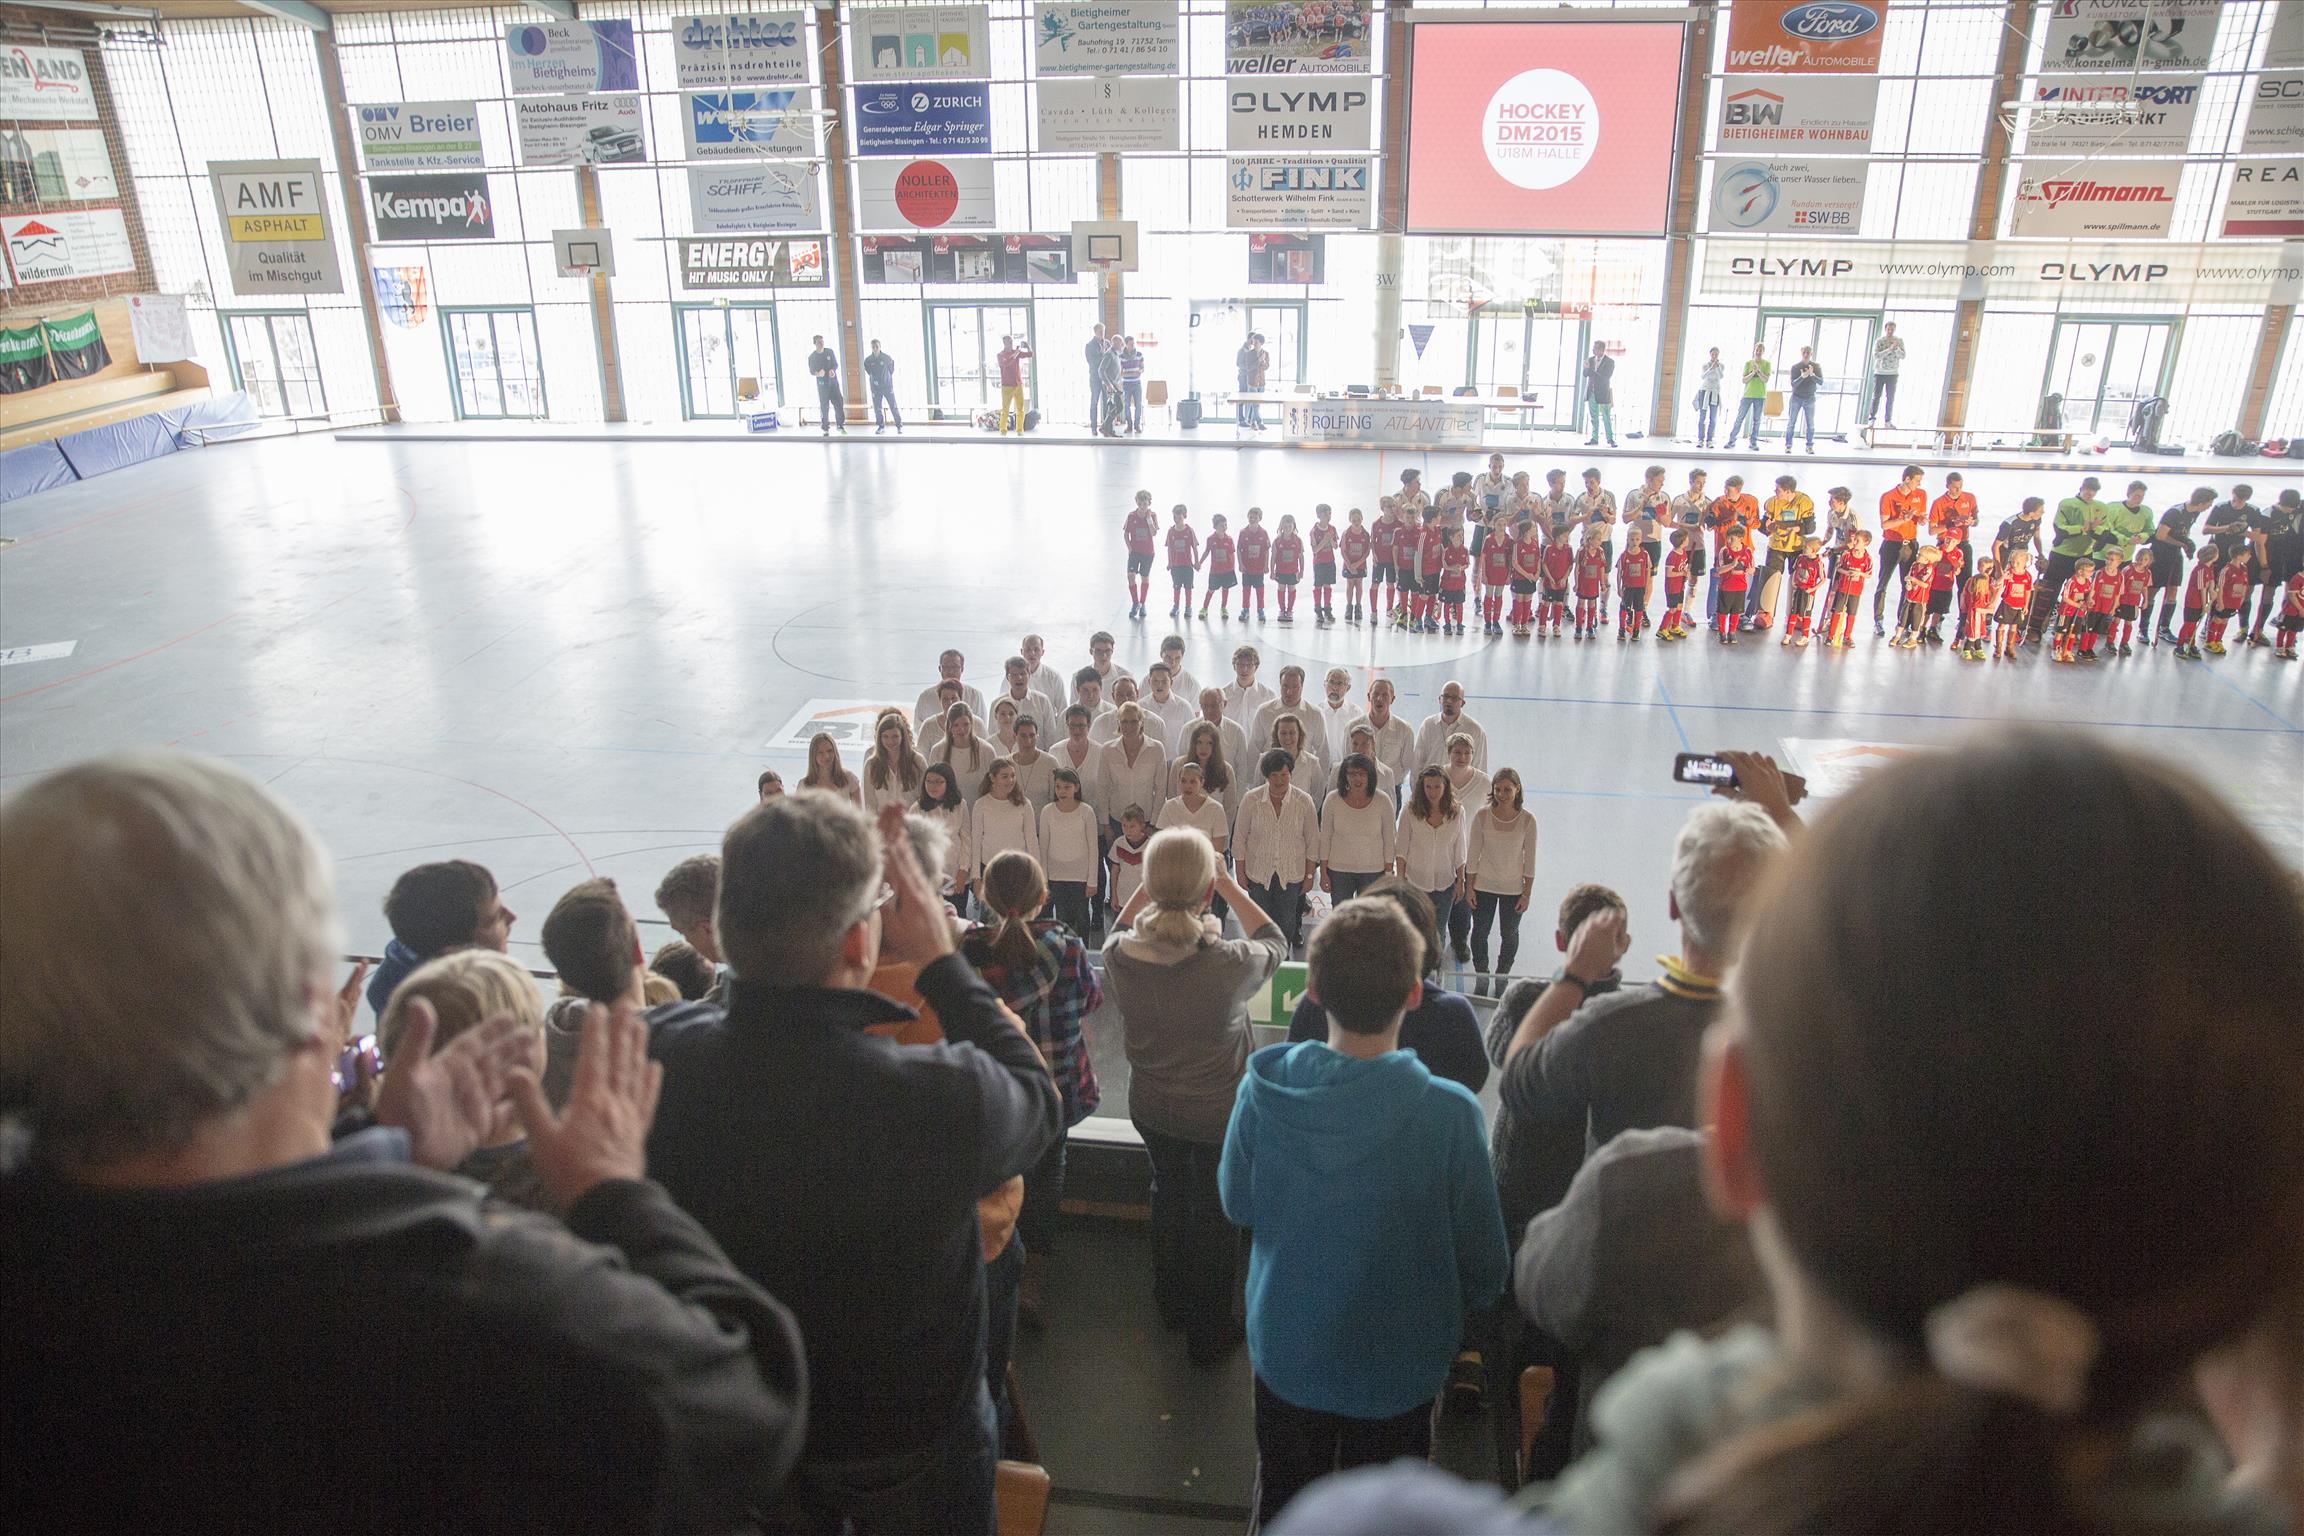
(1223, 574)
(1633, 570)
(1253, 548)
(1431, 556)
(2291, 619)
(1918, 587)
(1384, 548)
(1323, 566)
(1806, 575)
(1527, 543)
(2073, 606)
(2104, 597)
(1951, 558)
(1355, 548)
(2232, 583)
(1288, 565)
(1591, 582)
(1455, 577)
(1732, 563)
(1558, 570)
(2199, 589)
(2135, 583)
(1495, 576)
(1141, 532)
(1848, 579)
(1976, 608)
(1183, 560)
(1677, 565)
(2008, 620)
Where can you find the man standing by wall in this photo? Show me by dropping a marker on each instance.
(1094, 352)
(1600, 393)
(880, 373)
(824, 367)
(1887, 363)
(1247, 367)
(1012, 358)
(1807, 378)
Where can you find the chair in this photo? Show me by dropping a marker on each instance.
(1155, 393)
(1020, 1495)
(1432, 389)
(1507, 391)
(747, 391)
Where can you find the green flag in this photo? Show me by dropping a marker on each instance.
(23, 361)
(76, 345)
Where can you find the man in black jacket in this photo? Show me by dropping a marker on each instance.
(217, 1320)
(842, 1170)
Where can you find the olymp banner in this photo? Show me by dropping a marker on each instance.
(2070, 116)
(1106, 37)
(2122, 36)
(1298, 37)
(571, 56)
(1806, 36)
(919, 42)
(936, 118)
(45, 85)
(419, 136)
(781, 198)
(2073, 273)
(1125, 112)
(715, 51)
(2095, 199)
(751, 125)
(1277, 115)
(1819, 114)
(277, 229)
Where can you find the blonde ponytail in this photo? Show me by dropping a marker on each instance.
(1179, 867)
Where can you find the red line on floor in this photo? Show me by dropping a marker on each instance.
(26, 693)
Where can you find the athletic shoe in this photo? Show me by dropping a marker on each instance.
(2124, 650)
(1878, 629)
(2254, 638)
(2187, 652)
(2215, 647)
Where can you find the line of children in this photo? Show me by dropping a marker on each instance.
(1323, 565)
(1140, 531)
(1734, 567)
(1849, 574)
(1288, 568)
(1221, 557)
(2291, 617)
(1918, 588)
(1356, 543)
(1254, 550)
(1806, 575)
(1976, 609)
(2015, 604)
(1183, 560)
(1495, 575)
(1591, 583)
(1632, 573)
(2074, 605)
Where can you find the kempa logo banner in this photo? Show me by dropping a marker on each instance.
(431, 208)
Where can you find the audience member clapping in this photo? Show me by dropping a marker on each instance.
(464, 990)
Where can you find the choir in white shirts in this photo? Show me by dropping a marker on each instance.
(1241, 703)
(1068, 842)
(1174, 713)
(929, 708)
(1036, 778)
(1431, 857)
(1501, 859)
(1047, 682)
(1142, 783)
(1002, 826)
(1395, 746)
(969, 764)
(1260, 724)
(1034, 703)
(894, 792)
(1275, 843)
(1089, 764)
(1334, 721)
(1471, 791)
(1105, 728)
(959, 857)
(1356, 841)
(1432, 740)
(1209, 818)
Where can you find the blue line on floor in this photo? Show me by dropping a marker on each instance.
(2251, 698)
(1678, 729)
(1896, 714)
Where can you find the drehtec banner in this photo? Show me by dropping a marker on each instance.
(780, 198)
(2127, 35)
(2276, 113)
(1812, 37)
(1822, 114)
(431, 208)
(2073, 115)
(1107, 37)
(925, 194)
(938, 118)
(715, 51)
(1869, 272)
(751, 125)
(275, 219)
(1423, 423)
(579, 130)
(52, 246)
(1263, 116)
(2095, 199)
(1809, 196)
(1124, 112)
(1298, 37)
(920, 42)
(45, 85)
(571, 56)
(2267, 198)
(1300, 192)
(419, 136)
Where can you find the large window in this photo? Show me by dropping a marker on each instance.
(494, 364)
(724, 349)
(1842, 345)
(1537, 356)
(964, 341)
(277, 363)
(2103, 367)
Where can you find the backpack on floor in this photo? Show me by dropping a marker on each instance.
(2231, 445)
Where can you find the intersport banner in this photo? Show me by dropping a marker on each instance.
(1556, 127)
(2073, 115)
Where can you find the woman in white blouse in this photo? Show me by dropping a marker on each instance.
(1362, 739)
(1195, 807)
(1288, 734)
(1035, 769)
(1355, 831)
(826, 772)
(1470, 786)
(1004, 713)
(1500, 869)
(1204, 746)
(941, 803)
(1429, 849)
(964, 751)
(892, 773)
(1002, 819)
(1068, 850)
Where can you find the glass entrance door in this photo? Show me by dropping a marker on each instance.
(1282, 327)
(274, 357)
(2103, 367)
(494, 363)
(1538, 356)
(1843, 345)
(720, 347)
(964, 352)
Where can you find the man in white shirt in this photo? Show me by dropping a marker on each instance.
(1243, 696)
(1184, 683)
(1045, 679)
(1290, 702)
(1133, 770)
(1088, 693)
(1336, 713)
(1395, 739)
(1228, 731)
(1276, 845)
(1163, 703)
(948, 668)
(1887, 363)
(1077, 751)
(1027, 699)
(945, 694)
(1107, 724)
(1100, 662)
(1432, 736)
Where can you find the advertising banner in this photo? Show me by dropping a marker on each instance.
(571, 56)
(274, 214)
(1814, 196)
(2275, 114)
(924, 194)
(2096, 199)
(780, 198)
(51, 247)
(2286, 48)
(1265, 116)
(1300, 192)
(1809, 37)
(1107, 37)
(714, 51)
(58, 165)
(966, 259)
(2127, 35)
(1423, 423)
(758, 262)
(1867, 272)
(1122, 113)
(430, 208)
(419, 136)
(920, 42)
(751, 125)
(935, 119)
(1298, 37)
(2267, 198)
(1553, 127)
(579, 130)
(45, 85)
(2075, 116)
(1823, 114)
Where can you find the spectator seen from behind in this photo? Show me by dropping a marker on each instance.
(435, 908)
(590, 939)
(1441, 1027)
(465, 989)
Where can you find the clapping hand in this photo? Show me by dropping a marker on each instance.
(603, 1133)
(913, 924)
(448, 1102)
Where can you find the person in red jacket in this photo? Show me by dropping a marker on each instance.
(1288, 565)
(1254, 549)
(2232, 584)
(1676, 570)
(1919, 587)
(1495, 576)
(2104, 597)
(2199, 589)
(1323, 567)
(1383, 547)
(1455, 578)
(2072, 607)
(1183, 560)
(1356, 544)
(1141, 532)
(1223, 575)
(1559, 570)
(1591, 583)
(1633, 569)
(1848, 588)
(1951, 562)
(2135, 586)
(1527, 543)
(2291, 618)
(1807, 574)
(2008, 619)
(1733, 566)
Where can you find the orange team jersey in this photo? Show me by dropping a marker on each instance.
(2232, 586)
(2016, 589)
(1953, 513)
(1141, 531)
(1219, 553)
(1455, 565)
(1356, 542)
(1917, 584)
(1287, 555)
(1853, 569)
(1741, 510)
(1591, 572)
(1559, 563)
(1324, 543)
(1255, 546)
(1496, 560)
(1807, 571)
(1901, 507)
(1675, 574)
(1735, 567)
(2107, 591)
(1948, 568)
(2135, 581)
(1183, 545)
(1433, 552)
(1384, 539)
(2197, 584)
(2078, 593)
(1633, 568)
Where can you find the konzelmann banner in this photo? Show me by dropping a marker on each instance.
(1423, 423)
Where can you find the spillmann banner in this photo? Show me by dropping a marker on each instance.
(2074, 273)
(1814, 196)
(744, 197)
(2267, 198)
(1265, 116)
(1298, 37)
(1124, 113)
(277, 234)
(1299, 192)
(1106, 37)
(1820, 114)
(571, 56)
(1840, 37)
(939, 118)
(751, 125)
(2095, 199)
(411, 208)
(2126, 35)
(919, 42)
(2276, 114)
(2074, 115)
(419, 136)
(721, 49)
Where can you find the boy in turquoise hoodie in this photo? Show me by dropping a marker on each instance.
(1367, 1183)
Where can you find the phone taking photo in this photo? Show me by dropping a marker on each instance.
(1703, 768)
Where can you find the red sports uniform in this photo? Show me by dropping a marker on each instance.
(1807, 575)
(1356, 542)
(1140, 531)
(1220, 554)
(1455, 572)
(1591, 572)
(1255, 550)
(2232, 587)
(2135, 581)
(1675, 575)
(1854, 568)
(2078, 593)
(2016, 592)
(1948, 568)
(1495, 575)
(2106, 594)
(1288, 555)
(1734, 563)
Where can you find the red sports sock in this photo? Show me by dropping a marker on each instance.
(2216, 631)
(2191, 628)
(2127, 630)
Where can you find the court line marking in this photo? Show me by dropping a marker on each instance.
(2282, 729)
(152, 650)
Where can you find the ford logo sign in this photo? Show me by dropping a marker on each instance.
(1829, 21)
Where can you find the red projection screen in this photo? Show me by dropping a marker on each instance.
(1542, 127)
